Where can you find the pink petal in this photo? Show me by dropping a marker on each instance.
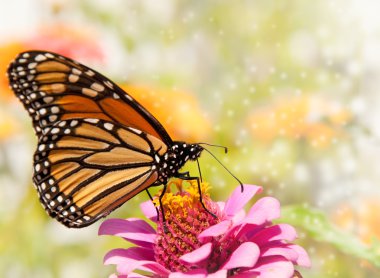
(133, 275)
(132, 229)
(149, 210)
(238, 199)
(117, 256)
(274, 267)
(238, 217)
(128, 260)
(264, 210)
(248, 231)
(303, 258)
(221, 205)
(276, 232)
(280, 250)
(246, 255)
(196, 273)
(149, 266)
(246, 274)
(198, 254)
(216, 230)
(219, 274)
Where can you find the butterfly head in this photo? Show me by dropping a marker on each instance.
(187, 151)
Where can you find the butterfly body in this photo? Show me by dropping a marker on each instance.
(97, 146)
(173, 160)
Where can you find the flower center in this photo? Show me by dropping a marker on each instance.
(185, 220)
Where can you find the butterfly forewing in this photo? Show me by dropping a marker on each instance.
(85, 168)
(54, 88)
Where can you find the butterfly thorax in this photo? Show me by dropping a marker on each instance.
(176, 156)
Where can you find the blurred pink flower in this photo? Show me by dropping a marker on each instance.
(79, 43)
(196, 244)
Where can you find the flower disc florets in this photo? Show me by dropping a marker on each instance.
(185, 219)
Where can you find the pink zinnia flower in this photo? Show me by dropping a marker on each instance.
(196, 244)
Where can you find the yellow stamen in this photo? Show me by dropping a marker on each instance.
(187, 195)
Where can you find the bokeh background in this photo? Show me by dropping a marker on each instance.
(291, 87)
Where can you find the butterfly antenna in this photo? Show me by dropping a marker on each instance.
(241, 184)
(199, 170)
(217, 146)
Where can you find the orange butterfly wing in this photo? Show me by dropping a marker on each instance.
(86, 168)
(54, 88)
(97, 145)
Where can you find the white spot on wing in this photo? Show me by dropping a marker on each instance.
(73, 123)
(97, 87)
(93, 121)
(108, 84)
(55, 130)
(108, 126)
(54, 109)
(53, 118)
(32, 65)
(89, 92)
(40, 57)
(135, 130)
(90, 73)
(129, 97)
(48, 99)
(76, 71)
(73, 78)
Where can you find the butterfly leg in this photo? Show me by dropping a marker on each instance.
(151, 198)
(200, 193)
(184, 174)
(162, 209)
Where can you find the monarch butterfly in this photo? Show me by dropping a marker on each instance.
(97, 146)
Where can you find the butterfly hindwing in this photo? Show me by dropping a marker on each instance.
(55, 88)
(85, 168)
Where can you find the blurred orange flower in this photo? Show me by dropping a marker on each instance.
(179, 112)
(312, 118)
(7, 53)
(77, 43)
(360, 218)
(8, 125)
